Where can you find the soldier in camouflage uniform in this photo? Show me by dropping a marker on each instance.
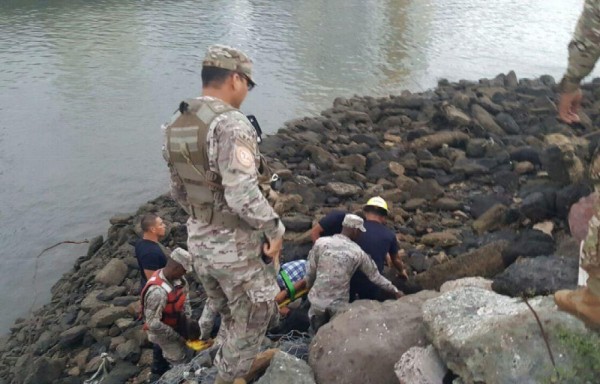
(331, 263)
(213, 156)
(584, 51)
(155, 299)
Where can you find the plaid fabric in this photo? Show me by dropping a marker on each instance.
(295, 270)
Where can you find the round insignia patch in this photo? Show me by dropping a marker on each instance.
(244, 156)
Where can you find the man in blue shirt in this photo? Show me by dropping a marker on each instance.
(150, 258)
(378, 241)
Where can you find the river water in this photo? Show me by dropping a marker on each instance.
(85, 85)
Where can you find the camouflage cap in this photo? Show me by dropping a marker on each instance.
(223, 56)
(183, 257)
(353, 221)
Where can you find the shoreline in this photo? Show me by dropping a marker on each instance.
(469, 169)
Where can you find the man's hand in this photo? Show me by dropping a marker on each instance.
(281, 296)
(272, 249)
(399, 294)
(568, 106)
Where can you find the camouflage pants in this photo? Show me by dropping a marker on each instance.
(318, 316)
(174, 351)
(240, 287)
(590, 260)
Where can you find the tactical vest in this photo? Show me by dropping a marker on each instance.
(175, 300)
(188, 154)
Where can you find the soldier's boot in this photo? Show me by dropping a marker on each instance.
(581, 303)
(259, 365)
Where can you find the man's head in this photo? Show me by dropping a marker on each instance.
(352, 226)
(227, 74)
(153, 226)
(376, 209)
(178, 264)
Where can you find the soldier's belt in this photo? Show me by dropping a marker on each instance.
(213, 217)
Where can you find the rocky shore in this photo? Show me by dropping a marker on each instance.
(480, 177)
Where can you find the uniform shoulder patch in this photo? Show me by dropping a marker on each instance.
(242, 158)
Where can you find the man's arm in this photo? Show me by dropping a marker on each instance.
(399, 264)
(236, 158)
(316, 232)
(584, 48)
(154, 304)
(368, 267)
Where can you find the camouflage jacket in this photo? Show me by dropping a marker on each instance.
(331, 263)
(155, 301)
(584, 48)
(233, 154)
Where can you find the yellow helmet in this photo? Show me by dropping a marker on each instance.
(377, 202)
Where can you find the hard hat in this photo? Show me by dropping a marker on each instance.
(377, 202)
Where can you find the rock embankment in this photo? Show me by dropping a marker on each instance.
(478, 175)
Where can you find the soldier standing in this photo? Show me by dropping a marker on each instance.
(584, 50)
(331, 263)
(213, 156)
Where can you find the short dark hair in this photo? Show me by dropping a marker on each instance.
(375, 210)
(214, 76)
(148, 221)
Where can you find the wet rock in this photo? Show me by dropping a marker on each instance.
(113, 273)
(529, 244)
(524, 167)
(475, 334)
(285, 368)
(110, 293)
(486, 120)
(538, 206)
(551, 274)
(362, 345)
(129, 351)
(121, 373)
(507, 123)
(437, 140)
(46, 340)
(447, 204)
(420, 365)
(45, 371)
(297, 222)
(121, 219)
(469, 167)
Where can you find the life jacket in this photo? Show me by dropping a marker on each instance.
(175, 300)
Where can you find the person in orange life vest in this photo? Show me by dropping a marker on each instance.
(166, 308)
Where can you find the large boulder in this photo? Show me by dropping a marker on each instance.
(113, 273)
(107, 316)
(475, 334)
(362, 344)
(551, 274)
(285, 368)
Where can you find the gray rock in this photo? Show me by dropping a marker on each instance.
(551, 274)
(121, 373)
(113, 273)
(45, 371)
(91, 302)
(443, 239)
(362, 345)
(72, 336)
(107, 316)
(469, 167)
(477, 281)
(477, 147)
(428, 189)
(448, 204)
(492, 219)
(129, 351)
(508, 124)
(476, 334)
(486, 120)
(121, 219)
(111, 292)
(46, 340)
(343, 189)
(420, 365)
(285, 368)
(95, 245)
(297, 222)
(124, 301)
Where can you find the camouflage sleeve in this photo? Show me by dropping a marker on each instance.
(154, 304)
(237, 155)
(584, 48)
(187, 307)
(207, 320)
(178, 192)
(311, 267)
(368, 267)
